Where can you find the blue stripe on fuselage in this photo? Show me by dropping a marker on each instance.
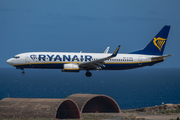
(114, 66)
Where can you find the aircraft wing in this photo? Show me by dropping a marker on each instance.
(97, 63)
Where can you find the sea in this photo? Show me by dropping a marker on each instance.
(131, 89)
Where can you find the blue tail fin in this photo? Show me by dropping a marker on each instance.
(157, 44)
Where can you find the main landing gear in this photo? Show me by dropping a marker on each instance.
(23, 72)
(88, 74)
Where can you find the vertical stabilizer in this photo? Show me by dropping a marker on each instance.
(157, 44)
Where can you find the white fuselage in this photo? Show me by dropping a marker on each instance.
(56, 60)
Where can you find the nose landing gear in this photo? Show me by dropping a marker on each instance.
(88, 74)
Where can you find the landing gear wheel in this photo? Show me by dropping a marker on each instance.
(23, 73)
(88, 74)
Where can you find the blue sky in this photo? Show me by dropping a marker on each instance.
(87, 25)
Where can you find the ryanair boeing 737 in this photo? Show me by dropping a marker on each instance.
(74, 62)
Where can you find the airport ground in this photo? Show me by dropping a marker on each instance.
(124, 115)
(128, 116)
(162, 112)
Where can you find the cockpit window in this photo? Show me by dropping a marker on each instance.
(16, 57)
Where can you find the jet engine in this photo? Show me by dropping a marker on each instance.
(70, 68)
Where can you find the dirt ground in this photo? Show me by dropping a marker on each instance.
(137, 116)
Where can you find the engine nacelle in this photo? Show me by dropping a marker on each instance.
(70, 68)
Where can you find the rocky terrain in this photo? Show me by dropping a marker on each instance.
(159, 108)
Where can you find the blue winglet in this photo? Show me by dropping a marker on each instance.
(115, 52)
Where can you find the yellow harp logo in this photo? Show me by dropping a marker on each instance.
(159, 42)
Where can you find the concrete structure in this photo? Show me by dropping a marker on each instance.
(93, 103)
(71, 107)
(32, 108)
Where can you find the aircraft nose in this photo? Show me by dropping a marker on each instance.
(9, 61)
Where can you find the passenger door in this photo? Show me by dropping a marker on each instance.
(27, 58)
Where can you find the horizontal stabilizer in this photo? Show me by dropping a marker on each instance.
(160, 57)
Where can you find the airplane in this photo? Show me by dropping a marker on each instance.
(75, 62)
